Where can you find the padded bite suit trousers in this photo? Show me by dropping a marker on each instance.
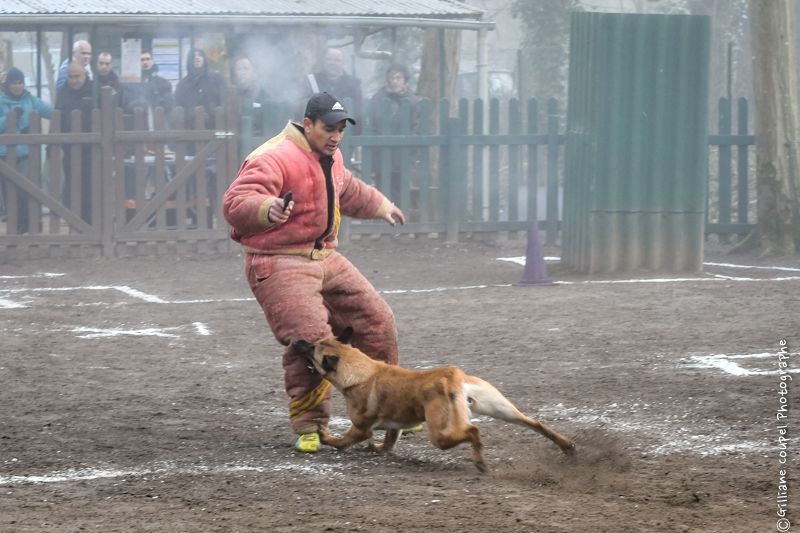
(313, 300)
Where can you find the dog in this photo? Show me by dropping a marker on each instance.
(382, 396)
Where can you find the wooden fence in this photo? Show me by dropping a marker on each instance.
(115, 186)
(155, 188)
(731, 207)
(497, 170)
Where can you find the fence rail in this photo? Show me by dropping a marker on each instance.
(479, 169)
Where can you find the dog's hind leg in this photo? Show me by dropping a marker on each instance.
(474, 436)
(483, 398)
(448, 427)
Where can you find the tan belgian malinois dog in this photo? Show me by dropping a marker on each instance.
(381, 396)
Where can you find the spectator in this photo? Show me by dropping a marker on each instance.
(81, 54)
(334, 80)
(156, 91)
(387, 118)
(202, 86)
(19, 102)
(250, 93)
(105, 75)
(151, 92)
(76, 95)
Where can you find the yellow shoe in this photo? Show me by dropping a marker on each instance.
(307, 443)
(413, 429)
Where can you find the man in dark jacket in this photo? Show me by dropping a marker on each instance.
(104, 73)
(157, 90)
(104, 76)
(150, 93)
(76, 94)
(333, 79)
(202, 86)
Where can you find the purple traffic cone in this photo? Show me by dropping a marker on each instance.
(535, 269)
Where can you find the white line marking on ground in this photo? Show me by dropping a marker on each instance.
(211, 300)
(731, 278)
(760, 355)
(201, 328)
(10, 304)
(641, 280)
(139, 294)
(38, 275)
(670, 433)
(314, 468)
(129, 291)
(59, 289)
(733, 265)
(442, 289)
(727, 364)
(688, 444)
(520, 260)
(93, 333)
(121, 288)
(6, 303)
(671, 280)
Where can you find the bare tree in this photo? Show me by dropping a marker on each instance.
(777, 168)
(434, 66)
(545, 47)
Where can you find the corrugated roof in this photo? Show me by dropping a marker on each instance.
(449, 9)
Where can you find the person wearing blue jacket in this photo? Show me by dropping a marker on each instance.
(18, 101)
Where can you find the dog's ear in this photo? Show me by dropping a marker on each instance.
(302, 347)
(329, 363)
(346, 335)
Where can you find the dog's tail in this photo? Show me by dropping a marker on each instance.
(484, 399)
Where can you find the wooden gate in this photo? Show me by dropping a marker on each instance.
(169, 180)
(143, 184)
(47, 213)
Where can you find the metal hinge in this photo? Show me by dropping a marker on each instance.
(224, 134)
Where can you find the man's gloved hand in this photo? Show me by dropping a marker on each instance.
(18, 112)
(395, 213)
(280, 209)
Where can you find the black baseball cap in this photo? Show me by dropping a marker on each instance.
(328, 109)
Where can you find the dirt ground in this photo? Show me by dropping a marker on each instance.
(146, 395)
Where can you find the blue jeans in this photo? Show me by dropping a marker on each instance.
(23, 215)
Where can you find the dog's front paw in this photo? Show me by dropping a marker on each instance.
(327, 438)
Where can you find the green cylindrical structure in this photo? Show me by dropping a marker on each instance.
(637, 143)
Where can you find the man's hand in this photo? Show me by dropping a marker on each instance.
(394, 213)
(279, 212)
